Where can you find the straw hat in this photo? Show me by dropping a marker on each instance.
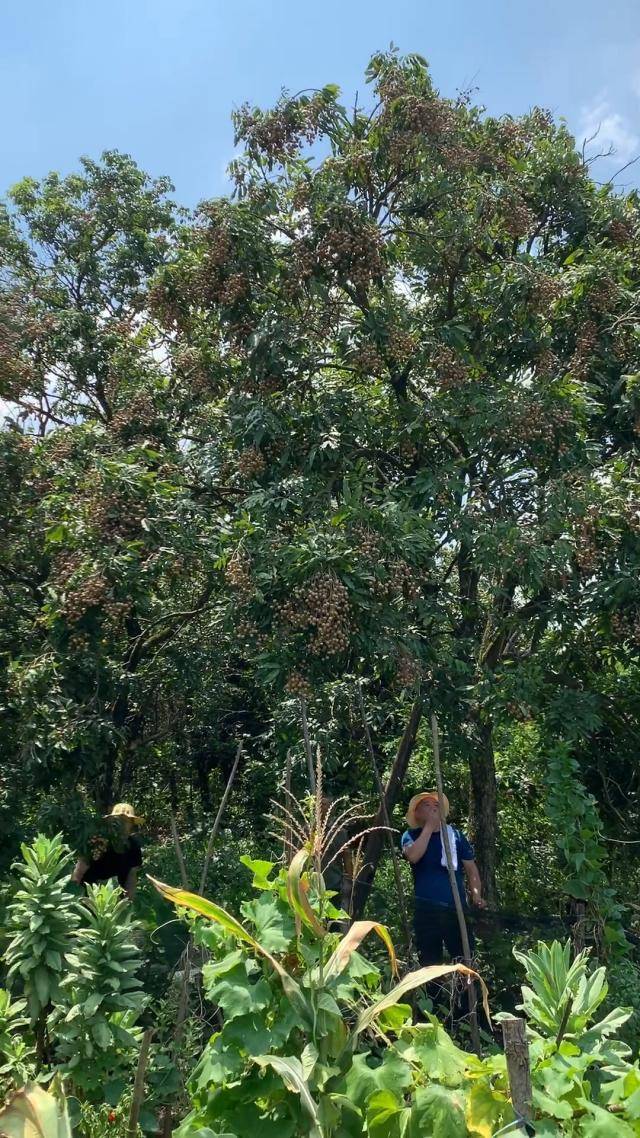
(124, 810)
(423, 797)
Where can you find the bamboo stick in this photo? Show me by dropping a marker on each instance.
(218, 818)
(516, 1050)
(178, 848)
(462, 924)
(138, 1086)
(307, 745)
(406, 928)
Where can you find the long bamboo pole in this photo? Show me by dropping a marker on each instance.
(218, 817)
(406, 928)
(307, 745)
(462, 924)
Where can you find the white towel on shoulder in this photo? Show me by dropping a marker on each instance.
(453, 842)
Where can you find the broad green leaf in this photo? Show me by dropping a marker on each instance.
(290, 1070)
(236, 993)
(387, 1117)
(432, 1047)
(486, 1110)
(185, 900)
(35, 1113)
(261, 871)
(438, 1110)
(274, 925)
(599, 1123)
(365, 1078)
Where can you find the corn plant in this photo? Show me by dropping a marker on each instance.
(101, 996)
(42, 917)
(303, 1011)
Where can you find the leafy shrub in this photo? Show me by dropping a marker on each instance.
(42, 917)
(17, 1057)
(101, 995)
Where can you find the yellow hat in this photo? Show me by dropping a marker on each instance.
(124, 810)
(418, 798)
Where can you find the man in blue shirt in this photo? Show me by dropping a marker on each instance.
(435, 921)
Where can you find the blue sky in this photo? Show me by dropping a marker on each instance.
(159, 79)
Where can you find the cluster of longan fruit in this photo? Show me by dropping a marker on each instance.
(251, 462)
(238, 573)
(322, 604)
(367, 359)
(586, 551)
(402, 344)
(299, 686)
(546, 290)
(408, 670)
(626, 626)
(449, 368)
(87, 594)
(352, 250)
(586, 345)
(517, 218)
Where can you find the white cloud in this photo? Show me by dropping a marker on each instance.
(604, 128)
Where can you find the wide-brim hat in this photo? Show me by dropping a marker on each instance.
(418, 798)
(125, 810)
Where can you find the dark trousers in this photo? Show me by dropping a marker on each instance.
(437, 929)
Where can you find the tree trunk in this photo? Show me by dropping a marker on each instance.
(483, 812)
(374, 842)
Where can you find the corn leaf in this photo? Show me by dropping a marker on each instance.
(416, 980)
(291, 1073)
(34, 1113)
(297, 897)
(352, 941)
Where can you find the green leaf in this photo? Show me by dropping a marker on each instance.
(261, 871)
(437, 1110)
(432, 1047)
(365, 1078)
(387, 1117)
(272, 920)
(486, 1110)
(290, 1070)
(236, 993)
(416, 980)
(601, 1124)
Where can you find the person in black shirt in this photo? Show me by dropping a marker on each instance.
(122, 856)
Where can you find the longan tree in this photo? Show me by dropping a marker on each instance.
(413, 335)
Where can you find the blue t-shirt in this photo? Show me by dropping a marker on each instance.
(430, 876)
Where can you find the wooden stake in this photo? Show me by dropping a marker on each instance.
(138, 1086)
(307, 745)
(406, 928)
(516, 1050)
(462, 924)
(178, 848)
(288, 837)
(218, 818)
